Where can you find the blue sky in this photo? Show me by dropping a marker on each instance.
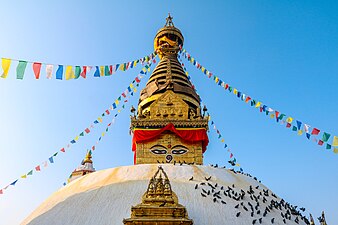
(283, 53)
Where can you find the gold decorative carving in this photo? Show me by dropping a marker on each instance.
(159, 205)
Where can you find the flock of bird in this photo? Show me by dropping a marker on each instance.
(256, 201)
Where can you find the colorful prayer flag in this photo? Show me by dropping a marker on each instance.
(59, 72)
(36, 69)
(77, 72)
(49, 71)
(335, 141)
(20, 69)
(37, 168)
(335, 150)
(328, 146)
(326, 136)
(14, 182)
(97, 72)
(51, 160)
(6, 63)
(315, 131)
(69, 73)
(87, 130)
(30, 172)
(84, 72)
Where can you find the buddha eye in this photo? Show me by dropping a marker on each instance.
(159, 151)
(178, 151)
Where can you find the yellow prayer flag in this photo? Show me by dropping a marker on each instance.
(99, 119)
(203, 69)
(272, 116)
(235, 91)
(258, 104)
(76, 138)
(117, 102)
(69, 73)
(186, 73)
(6, 63)
(300, 132)
(237, 164)
(135, 90)
(119, 110)
(289, 119)
(134, 63)
(216, 80)
(24, 176)
(335, 141)
(103, 133)
(222, 140)
(101, 71)
(144, 69)
(131, 85)
(335, 150)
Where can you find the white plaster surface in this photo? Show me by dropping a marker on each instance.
(106, 197)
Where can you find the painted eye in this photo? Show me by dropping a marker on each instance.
(159, 151)
(178, 151)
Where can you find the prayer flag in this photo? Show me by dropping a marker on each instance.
(77, 71)
(87, 130)
(277, 115)
(101, 71)
(84, 72)
(328, 146)
(97, 72)
(306, 128)
(258, 104)
(300, 132)
(247, 99)
(69, 73)
(335, 141)
(81, 134)
(24, 176)
(14, 182)
(49, 71)
(231, 155)
(308, 136)
(289, 119)
(335, 150)
(76, 138)
(1, 192)
(51, 160)
(6, 63)
(137, 80)
(99, 119)
(288, 125)
(123, 67)
(106, 71)
(294, 128)
(315, 131)
(36, 69)
(107, 111)
(299, 124)
(63, 150)
(73, 141)
(37, 168)
(326, 136)
(59, 72)
(96, 122)
(20, 69)
(320, 142)
(30, 172)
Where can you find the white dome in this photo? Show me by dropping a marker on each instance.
(106, 197)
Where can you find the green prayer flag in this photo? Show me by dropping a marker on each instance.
(20, 69)
(326, 136)
(30, 172)
(102, 115)
(77, 71)
(55, 153)
(106, 71)
(81, 134)
(107, 129)
(294, 128)
(119, 98)
(328, 146)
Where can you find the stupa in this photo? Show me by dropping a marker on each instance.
(168, 183)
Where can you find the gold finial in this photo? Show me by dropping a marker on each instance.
(88, 157)
(312, 222)
(169, 21)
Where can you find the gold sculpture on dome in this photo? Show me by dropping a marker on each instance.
(159, 205)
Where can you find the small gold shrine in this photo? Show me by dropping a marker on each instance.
(168, 126)
(159, 205)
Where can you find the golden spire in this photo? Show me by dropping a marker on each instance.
(88, 158)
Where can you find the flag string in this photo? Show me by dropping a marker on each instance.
(232, 160)
(327, 140)
(68, 72)
(129, 91)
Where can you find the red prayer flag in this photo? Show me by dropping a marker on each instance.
(37, 168)
(137, 80)
(288, 125)
(87, 130)
(63, 150)
(320, 142)
(247, 99)
(107, 111)
(315, 131)
(84, 72)
(109, 124)
(36, 69)
(111, 69)
(226, 86)
(93, 148)
(1, 192)
(231, 155)
(124, 95)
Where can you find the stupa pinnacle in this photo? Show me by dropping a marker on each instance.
(169, 126)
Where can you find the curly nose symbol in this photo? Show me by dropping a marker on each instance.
(169, 158)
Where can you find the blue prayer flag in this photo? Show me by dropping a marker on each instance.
(97, 72)
(59, 72)
(51, 159)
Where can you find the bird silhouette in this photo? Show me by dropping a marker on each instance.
(203, 195)
(223, 202)
(196, 186)
(272, 220)
(207, 178)
(191, 178)
(239, 213)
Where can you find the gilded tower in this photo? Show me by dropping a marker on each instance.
(169, 126)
